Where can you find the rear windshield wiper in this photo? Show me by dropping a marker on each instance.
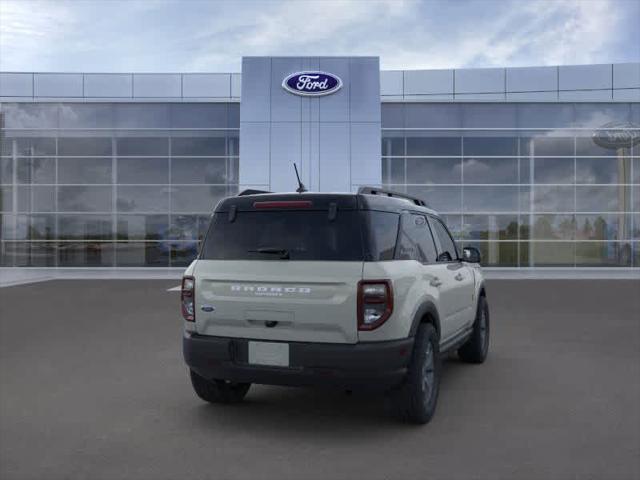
(284, 254)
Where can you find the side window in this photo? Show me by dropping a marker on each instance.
(447, 248)
(382, 230)
(415, 241)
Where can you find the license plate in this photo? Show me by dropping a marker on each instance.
(269, 353)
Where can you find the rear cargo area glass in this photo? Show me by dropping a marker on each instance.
(303, 234)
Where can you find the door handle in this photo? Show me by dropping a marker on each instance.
(459, 277)
(435, 282)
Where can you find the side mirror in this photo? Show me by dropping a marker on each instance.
(471, 255)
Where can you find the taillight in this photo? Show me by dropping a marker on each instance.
(375, 303)
(187, 298)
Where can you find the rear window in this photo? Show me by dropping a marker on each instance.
(295, 235)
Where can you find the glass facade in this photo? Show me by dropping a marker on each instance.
(529, 185)
(133, 184)
(112, 184)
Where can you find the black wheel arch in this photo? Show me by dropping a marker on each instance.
(426, 313)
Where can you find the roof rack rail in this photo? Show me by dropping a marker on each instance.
(251, 191)
(390, 193)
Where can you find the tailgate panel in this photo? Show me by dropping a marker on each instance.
(283, 300)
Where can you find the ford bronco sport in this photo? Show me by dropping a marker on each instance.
(349, 290)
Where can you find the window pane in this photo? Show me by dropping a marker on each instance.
(34, 146)
(434, 170)
(433, 146)
(382, 229)
(143, 227)
(603, 170)
(6, 170)
(392, 115)
(601, 254)
(199, 170)
(604, 198)
(85, 227)
(551, 227)
(393, 170)
(143, 199)
(141, 115)
(392, 146)
(490, 170)
(36, 170)
(553, 170)
(414, 239)
(196, 199)
(35, 227)
(636, 167)
(6, 199)
(489, 146)
(446, 245)
(491, 227)
(94, 146)
(84, 170)
(144, 146)
(36, 198)
(33, 254)
(84, 199)
(586, 146)
(86, 115)
(183, 253)
(148, 254)
(491, 199)
(199, 115)
(548, 146)
(29, 115)
(198, 146)
(553, 199)
(428, 115)
(85, 254)
(454, 224)
(189, 227)
(496, 254)
(551, 254)
(143, 170)
(441, 199)
(603, 226)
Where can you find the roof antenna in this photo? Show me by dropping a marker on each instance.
(301, 188)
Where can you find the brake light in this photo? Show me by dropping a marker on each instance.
(188, 298)
(375, 303)
(283, 204)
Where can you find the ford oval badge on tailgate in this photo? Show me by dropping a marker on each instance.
(312, 83)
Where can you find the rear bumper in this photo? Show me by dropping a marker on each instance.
(371, 365)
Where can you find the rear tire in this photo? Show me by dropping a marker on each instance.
(218, 391)
(477, 347)
(416, 399)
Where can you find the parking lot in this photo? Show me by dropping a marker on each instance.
(92, 385)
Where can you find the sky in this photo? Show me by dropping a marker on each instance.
(212, 36)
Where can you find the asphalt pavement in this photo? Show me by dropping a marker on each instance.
(92, 385)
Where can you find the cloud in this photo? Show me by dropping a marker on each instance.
(213, 36)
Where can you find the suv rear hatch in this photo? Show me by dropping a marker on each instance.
(282, 267)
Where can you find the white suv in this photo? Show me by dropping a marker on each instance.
(350, 290)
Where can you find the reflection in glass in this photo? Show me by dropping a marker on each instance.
(490, 170)
(142, 254)
(603, 226)
(32, 146)
(90, 146)
(143, 199)
(603, 198)
(84, 199)
(6, 170)
(183, 253)
(490, 146)
(6, 199)
(423, 146)
(32, 254)
(35, 227)
(196, 199)
(603, 170)
(551, 227)
(199, 170)
(551, 198)
(143, 170)
(441, 199)
(433, 170)
(392, 145)
(85, 254)
(393, 170)
(491, 227)
(143, 227)
(144, 146)
(553, 170)
(36, 198)
(85, 227)
(610, 254)
(549, 254)
(491, 199)
(198, 146)
(189, 227)
(84, 170)
(36, 170)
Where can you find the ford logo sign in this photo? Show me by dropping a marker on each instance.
(312, 84)
(616, 135)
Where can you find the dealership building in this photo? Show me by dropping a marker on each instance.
(537, 167)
